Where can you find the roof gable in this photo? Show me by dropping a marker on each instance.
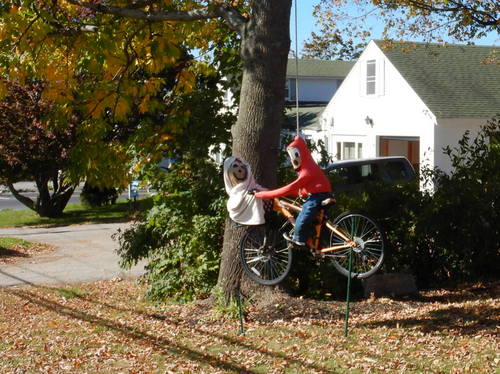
(452, 80)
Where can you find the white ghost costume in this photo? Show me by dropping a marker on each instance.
(243, 208)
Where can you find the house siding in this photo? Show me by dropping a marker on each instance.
(313, 89)
(448, 132)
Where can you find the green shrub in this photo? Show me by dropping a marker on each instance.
(463, 216)
(181, 235)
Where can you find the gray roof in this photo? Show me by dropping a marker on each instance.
(452, 80)
(308, 117)
(319, 68)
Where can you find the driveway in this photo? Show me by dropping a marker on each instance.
(85, 253)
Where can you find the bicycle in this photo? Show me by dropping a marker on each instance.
(266, 256)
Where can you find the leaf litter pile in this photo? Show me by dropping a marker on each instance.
(23, 250)
(107, 327)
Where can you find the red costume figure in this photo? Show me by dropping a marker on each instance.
(311, 183)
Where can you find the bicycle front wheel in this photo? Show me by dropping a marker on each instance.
(368, 254)
(265, 255)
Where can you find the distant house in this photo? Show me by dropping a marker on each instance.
(318, 80)
(412, 100)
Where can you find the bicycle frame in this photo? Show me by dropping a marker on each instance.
(285, 206)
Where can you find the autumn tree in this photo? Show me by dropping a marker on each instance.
(344, 25)
(108, 41)
(31, 148)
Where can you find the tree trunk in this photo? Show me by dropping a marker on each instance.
(264, 50)
(46, 205)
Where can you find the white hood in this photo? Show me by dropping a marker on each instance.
(243, 208)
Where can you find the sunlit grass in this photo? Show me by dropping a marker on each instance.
(123, 210)
(8, 242)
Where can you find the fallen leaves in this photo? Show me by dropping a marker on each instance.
(21, 252)
(107, 327)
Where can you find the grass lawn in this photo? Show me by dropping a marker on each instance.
(107, 327)
(75, 213)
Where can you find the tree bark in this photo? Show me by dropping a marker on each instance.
(264, 51)
(52, 205)
(46, 205)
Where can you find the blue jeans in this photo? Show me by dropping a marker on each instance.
(310, 209)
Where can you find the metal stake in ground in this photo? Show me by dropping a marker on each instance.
(346, 324)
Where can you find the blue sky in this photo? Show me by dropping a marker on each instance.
(306, 25)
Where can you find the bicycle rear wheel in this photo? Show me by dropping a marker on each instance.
(265, 255)
(368, 254)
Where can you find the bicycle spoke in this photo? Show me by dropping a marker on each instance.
(364, 234)
(255, 259)
(251, 249)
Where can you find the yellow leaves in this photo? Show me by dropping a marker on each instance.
(121, 108)
(205, 69)
(113, 66)
(152, 85)
(186, 81)
(100, 100)
(143, 106)
(164, 138)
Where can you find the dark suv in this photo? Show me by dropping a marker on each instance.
(352, 175)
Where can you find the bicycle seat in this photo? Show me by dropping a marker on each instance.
(328, 202)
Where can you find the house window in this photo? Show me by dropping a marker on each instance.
(371, 76)
(349, 150)
(290, 89)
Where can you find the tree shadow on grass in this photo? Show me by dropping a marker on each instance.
(160, 343)
(465, 292)
(468, 320)
(6, 254)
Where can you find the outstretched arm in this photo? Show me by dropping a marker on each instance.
(291, 189)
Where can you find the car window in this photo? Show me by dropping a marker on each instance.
(397, 171)
(355, 174)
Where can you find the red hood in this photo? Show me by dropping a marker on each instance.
(305, 155)
(310, 180)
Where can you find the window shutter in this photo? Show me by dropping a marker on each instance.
(381, 77)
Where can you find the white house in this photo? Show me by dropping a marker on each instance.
(412, 100)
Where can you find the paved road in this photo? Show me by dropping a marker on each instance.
(8, 201)
(85, 253)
